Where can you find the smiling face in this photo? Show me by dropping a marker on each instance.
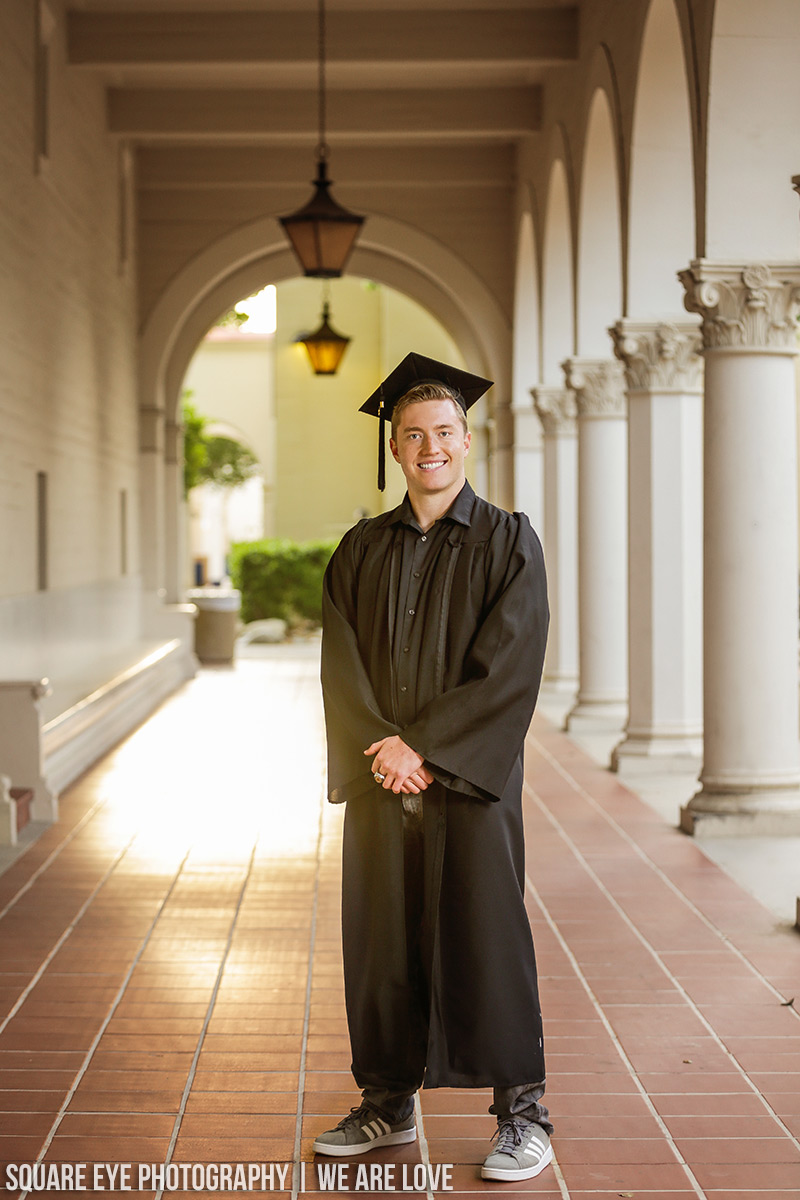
(430, 445)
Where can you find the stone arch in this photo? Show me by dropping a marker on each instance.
(242, 262)
(754, 100)
(661, 206)
(226, 429)
(388, 251)
(558, 308)
(599, 300)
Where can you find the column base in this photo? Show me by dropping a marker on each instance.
(589, 716)
(768, 813)
(561, 685)
(640, 754)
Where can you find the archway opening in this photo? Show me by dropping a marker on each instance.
(316, 451)
(395, 255)
(662, 213)
(558, 339)
(599, 300)
(528, 483)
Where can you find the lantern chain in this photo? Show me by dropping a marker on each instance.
(322, 147)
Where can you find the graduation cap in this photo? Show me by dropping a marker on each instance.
(413, 370)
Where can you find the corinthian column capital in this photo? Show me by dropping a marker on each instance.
(556, 409)
(599, 386)
(750, 308)
(663, 357)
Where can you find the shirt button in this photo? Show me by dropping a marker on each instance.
(424, 537)
(406, 649)
(411, 612)
(403, 689)
(416, 574)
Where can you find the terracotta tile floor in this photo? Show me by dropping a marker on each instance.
(170, 975)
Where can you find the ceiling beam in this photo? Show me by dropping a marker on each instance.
(261, 114)
(290, 37)
(256, 167)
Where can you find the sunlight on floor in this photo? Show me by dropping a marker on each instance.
(172, 789)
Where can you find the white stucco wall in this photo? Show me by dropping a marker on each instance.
(67, 369)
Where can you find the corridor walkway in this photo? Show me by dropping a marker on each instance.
(170, 974)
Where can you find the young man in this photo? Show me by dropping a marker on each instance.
(434, 627)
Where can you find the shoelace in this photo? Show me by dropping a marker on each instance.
(509, 1135)
(355, 1115)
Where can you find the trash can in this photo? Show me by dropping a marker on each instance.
(215, 623)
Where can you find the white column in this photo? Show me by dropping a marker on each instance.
(501, 460)
(556, 409)
(176, 565)
(602, 541)
(750, 781)
(529, 466)
(664, 373)
(480, 453)
(151, 499)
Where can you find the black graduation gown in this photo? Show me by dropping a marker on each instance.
(478, 677)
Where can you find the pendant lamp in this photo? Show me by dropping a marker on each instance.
(325, 346)
(322, 232)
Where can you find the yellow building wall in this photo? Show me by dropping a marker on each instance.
(326, 474)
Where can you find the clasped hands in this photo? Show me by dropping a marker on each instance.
(403, 769)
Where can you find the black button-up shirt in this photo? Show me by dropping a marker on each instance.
(418, 557)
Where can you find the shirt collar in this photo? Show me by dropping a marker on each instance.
(460, 510)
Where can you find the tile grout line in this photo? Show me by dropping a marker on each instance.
(81, 913)
(615, 1040)
(301, 1075)
(209, 1011)
(560, 1180)
(52, 856)
(423, 1145)
(662, 875)
(661, 964)
(107, 1019)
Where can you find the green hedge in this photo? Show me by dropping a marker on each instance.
(280, 578)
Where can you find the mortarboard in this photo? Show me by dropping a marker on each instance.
(414, 369)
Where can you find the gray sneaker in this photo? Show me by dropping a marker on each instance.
(363, 1129)
(522, 1151)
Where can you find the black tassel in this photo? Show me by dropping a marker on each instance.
(381, 448)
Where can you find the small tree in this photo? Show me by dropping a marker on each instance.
(228, 463)
(211, 458)
(194, 444)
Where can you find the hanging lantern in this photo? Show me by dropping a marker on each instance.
(322, 232)
(325, 346)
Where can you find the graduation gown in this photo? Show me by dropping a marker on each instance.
(477, 672)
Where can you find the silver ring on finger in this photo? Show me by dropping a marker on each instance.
(376, 775)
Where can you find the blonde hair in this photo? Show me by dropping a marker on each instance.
(426, 391)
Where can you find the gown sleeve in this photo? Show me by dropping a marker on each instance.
(353, 717)
(472, 734)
